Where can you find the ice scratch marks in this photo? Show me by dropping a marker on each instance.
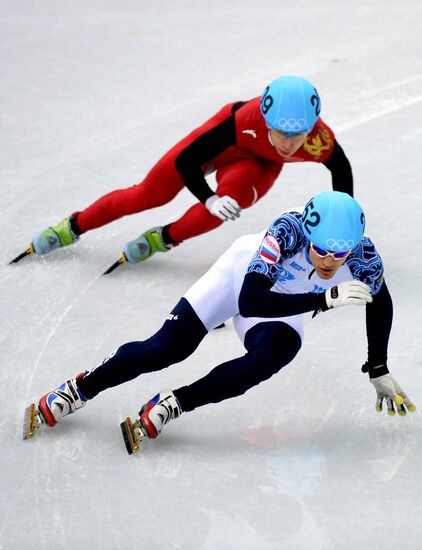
(54, 329)
(377, 102)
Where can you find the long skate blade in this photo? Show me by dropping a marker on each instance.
(28, 252)
(122, 260)
(31, 421)
(131, 437)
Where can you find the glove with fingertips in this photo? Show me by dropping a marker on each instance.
(388, 389)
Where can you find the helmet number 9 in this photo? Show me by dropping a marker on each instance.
(266, 101)
(310, 219)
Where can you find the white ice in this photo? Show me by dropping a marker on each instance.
(92, 93)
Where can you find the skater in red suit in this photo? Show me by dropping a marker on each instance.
(246, 144)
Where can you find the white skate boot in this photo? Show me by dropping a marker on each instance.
(159, 410)
(58, 403)
(53, 406)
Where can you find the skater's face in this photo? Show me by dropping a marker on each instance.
(286, 144)
(327, 266)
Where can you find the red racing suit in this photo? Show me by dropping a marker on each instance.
(235, 144)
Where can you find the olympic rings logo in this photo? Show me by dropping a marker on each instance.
(291, 124)
(339, 246)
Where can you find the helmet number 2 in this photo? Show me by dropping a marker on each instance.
(316, 102)
(310, 219)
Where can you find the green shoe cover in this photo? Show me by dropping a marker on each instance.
(56, 236)
(146, 245)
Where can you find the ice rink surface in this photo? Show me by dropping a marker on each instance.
(92, 94)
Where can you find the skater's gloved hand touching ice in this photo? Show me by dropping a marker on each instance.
(388, 389)
(224, 208)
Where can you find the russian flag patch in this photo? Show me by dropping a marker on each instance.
(270, 250)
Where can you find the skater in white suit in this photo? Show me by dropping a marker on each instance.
(309, 260)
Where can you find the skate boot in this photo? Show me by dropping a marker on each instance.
(58, 403)
(158, 411)
(56, 236)
(146, 245)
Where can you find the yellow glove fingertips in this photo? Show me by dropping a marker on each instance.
(391, 412)
(378, 408)
(412, 408)
(398, 400)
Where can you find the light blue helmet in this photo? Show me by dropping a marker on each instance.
(290, 104)
(333, 221)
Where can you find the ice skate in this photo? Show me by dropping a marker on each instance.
(53, 406)
(56, 236)
(142, 248)
(158, 411)
(145, 246)
(132, 435)
(28, 252)
(31, 421)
